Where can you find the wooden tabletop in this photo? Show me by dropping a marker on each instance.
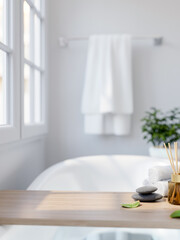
(83, 209)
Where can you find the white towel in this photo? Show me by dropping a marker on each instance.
(162, 187)
(159, 173)
(159, 176)
(107, 101)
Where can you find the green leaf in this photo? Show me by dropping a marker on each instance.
(175, 214)
(131, 205)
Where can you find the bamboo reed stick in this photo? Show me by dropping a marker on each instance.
(176, 155)
(170, 159)
(175, 169)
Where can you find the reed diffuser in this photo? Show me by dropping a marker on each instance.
(174, 184)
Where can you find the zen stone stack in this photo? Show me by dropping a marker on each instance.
(146, 194)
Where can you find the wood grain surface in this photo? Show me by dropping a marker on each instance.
(93, 209)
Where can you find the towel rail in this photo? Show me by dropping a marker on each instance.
(64, 41)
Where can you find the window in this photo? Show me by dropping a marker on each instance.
(22, 76)
(33, 73)
(9, 73)
(3, 88)
(5, 54)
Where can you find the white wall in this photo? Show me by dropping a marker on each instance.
(156, 70)
(21, 162)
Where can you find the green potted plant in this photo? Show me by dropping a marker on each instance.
(161, 127)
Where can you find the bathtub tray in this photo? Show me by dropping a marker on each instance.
(93, 209)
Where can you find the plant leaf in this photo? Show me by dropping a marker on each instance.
(159, 127)
(131, 205)
(175, 214)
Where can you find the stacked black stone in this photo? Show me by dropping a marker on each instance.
(146, 194)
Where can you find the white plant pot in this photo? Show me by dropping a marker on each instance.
(160, 152)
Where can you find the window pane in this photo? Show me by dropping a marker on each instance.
(37, 40)
(32, 52)
(3, 85)
(3, 21)
(26, 30)
(37, 97)
(27, 94)
(37, 4)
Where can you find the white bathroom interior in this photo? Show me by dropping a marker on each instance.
(76, 79)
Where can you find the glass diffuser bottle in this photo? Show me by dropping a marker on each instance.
(174, 184)
(174, 189)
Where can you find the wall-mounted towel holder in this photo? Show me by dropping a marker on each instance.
(64, 41)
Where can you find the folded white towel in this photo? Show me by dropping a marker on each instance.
(159, 173)
(107, 101)
(162, 187)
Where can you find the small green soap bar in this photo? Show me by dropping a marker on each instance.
(131, 205)
(175, 214)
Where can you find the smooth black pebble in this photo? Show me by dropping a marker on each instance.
(146, 190)
(147, 197)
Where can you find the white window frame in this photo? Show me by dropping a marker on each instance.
(31, 130)
(16, 129)
(11, 132)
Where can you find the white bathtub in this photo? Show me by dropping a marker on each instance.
(95, 173)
